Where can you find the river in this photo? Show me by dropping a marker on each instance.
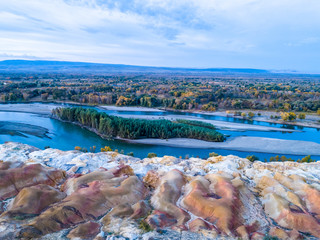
(66, 136)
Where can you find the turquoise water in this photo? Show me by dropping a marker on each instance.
(66, 136)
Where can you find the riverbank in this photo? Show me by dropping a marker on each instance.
(312, 120)
(245, 144)
(129, 109)
(37, 108)
(222, 125)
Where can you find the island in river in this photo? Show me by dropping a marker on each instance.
(112, 126)
(252, 135)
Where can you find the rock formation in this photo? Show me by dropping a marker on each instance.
(113, 196)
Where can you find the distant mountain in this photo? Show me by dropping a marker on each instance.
(20, 66)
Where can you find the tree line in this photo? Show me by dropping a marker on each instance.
(112, 126)
(174, 92)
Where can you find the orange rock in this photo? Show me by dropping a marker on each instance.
(257, 236)
(312, 198)
(285, 235)
(242, 232)
(198, 224)
(32, 200)
(279, 233)
(167, 194)
(216, 207)
(152, 179)
(289, 217)
(295, 235)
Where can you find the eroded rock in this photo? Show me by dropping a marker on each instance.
(88, 230)
(87, 203)
(102, 197)
(32, 200)
(166, 196)
(14, 180)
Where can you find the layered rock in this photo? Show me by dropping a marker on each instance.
(15, 179)
(32, 200)
(112, 177)
(88, 230)
(165, 200)
(87, 203)
(286, 207)
(213, 198)
(112, 196)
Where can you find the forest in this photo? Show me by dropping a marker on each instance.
(112, 126)
(285, 93)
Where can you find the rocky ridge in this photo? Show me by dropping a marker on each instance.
(51, 194)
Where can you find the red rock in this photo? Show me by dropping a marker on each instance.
(140, 209)
(15, 179)
(87, 203)
(7, 165)
(107, 176)
(87, 230)
(160, 219)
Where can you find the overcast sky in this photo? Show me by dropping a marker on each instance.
(269, 34)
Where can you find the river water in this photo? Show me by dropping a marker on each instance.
(66, 136)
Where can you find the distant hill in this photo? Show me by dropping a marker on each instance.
(27, 66)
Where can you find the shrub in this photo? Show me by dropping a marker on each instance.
(80, 149)
(288, 116)
(306, 159)
(93, 149)
(250, 114)
(252, 158)
(106, 149)
(130, 154)
(151, 155)
(213, 154)
(144, 226)
(302, 116)
(268, 237)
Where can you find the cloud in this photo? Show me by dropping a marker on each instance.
(195, 33)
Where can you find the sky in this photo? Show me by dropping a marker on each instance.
(267, 34)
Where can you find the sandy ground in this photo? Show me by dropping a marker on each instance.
(218, 124)
(132, 109)
(312, 119)
(247, 144)
(38, 108)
